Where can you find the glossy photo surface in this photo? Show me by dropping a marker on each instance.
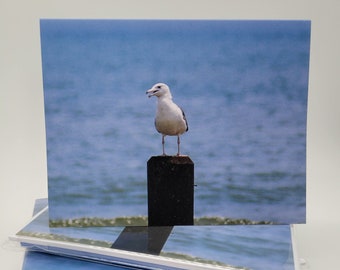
(242, 84)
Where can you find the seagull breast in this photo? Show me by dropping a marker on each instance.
(170, 119)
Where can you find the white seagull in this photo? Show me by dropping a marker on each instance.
(170, 119)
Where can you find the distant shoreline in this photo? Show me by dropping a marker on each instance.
(143, 221)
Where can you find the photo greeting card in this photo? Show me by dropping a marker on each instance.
(227, 109)
(187, 247)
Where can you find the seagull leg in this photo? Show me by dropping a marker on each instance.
(178, 143)
(163, 143)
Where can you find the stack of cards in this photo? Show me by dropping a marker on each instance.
(243, 86)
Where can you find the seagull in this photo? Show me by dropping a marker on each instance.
(170, 118)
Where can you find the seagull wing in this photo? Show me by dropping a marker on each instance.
(185, 119)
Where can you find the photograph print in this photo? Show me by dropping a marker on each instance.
(187, 247)
(230, 96)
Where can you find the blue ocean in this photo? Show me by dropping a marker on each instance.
(242, 84)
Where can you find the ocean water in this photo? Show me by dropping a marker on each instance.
(242, 84)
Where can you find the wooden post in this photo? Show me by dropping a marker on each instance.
(170, 191)
(143, 239)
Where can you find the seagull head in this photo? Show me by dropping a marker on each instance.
(159, 90)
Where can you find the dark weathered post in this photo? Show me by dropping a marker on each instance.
(170, 191)
(143, 239)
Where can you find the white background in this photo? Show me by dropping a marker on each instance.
(23, 175)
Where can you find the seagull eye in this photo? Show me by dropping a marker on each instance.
(159, 87)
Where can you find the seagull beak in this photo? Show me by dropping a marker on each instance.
(151, 92)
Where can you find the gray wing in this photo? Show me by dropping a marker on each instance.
(185, 119)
